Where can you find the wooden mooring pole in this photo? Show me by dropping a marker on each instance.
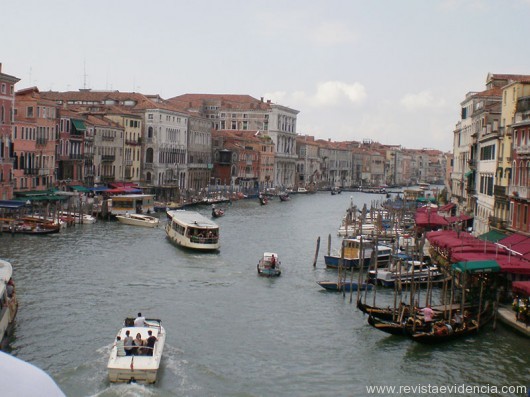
(316, 252)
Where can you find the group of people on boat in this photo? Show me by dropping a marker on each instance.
(137, 346)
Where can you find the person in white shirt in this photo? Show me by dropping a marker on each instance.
(140, 321)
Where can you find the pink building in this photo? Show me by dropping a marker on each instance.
(7, 105)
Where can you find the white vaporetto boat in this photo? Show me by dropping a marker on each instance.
(137, 365)
(138, 220)
(190, 229)
(9, 302)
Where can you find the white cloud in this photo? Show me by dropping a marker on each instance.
(327, 94)
(420, 101)
(333, 33)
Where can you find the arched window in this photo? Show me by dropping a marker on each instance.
(149, 155)
(150, 132)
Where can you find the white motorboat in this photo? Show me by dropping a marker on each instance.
(85, 219)
(140, 366)
(138, 220)
(9, 302)
(406, 271)
(269, 265)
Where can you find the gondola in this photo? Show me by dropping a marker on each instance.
(395, 328)
(443, 331)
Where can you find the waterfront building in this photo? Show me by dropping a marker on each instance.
(7, 133)
(519, 188)
(464, 159)
(511, 93)
(34, 142)
(309, 164)
(132, 125)
(108, 154)
(337, 163)
(245, 113)
(70, 149)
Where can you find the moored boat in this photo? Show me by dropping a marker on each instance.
(405, 272)
(9, 302)
(269, 265)
(137, 364)
(358, 253)
(138, 220)
(346, 286)
(189, 229)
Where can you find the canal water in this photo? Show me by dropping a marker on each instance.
(229, 332)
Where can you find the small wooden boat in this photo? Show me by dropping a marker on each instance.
(346, 286)
(217, 212)
(269, 265)
(138, 220)
(284, 197)
(396, 328)
(263, 200)
(444, 331)
(141, 368)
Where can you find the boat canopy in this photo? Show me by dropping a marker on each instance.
(12, 204)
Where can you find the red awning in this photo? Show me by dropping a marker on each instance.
(521, 287)
(511, 240)
(459, 218)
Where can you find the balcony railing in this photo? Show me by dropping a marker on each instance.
(523, 150)
(498, 223)
(41, 141)
(107, 138)
(44, 171)
(148, 166)
(75, 156)
(108, 157)
(522, 192)
(31, 171)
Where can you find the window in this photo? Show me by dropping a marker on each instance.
(29, 111)
(3, 88)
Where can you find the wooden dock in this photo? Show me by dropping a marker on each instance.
(506, 315)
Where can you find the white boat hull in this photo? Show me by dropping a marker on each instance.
(138, 368)
(138, 220)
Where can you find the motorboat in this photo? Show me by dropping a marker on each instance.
(138, 220)
(358, 253)
(269, 265)
(405, 271)
(9, 302)
(137, 365)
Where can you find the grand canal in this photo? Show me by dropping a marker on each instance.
(229, 332)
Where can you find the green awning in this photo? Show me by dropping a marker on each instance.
(468, 174)
(487, 266)
(492, 235)
(79, 125)
(78, 188)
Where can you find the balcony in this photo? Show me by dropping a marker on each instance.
(108, 158)
(472, 163)
(499, 191)
(520, 192)
(523, 150)
(31, 171)
(75, 156)
(148, 166)
(127, 163)
(107, 138)
(133, 142)
(41, 141)
(44, 172)
(497, 223)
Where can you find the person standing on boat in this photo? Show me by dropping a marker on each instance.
(273, 262)
(428, 315)
(128, 343)
(140, 321)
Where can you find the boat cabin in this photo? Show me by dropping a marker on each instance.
(132, 203)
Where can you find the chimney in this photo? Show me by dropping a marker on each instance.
(269, 101)
(261, 99)
(0, 67)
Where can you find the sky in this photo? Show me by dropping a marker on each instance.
(389, 71)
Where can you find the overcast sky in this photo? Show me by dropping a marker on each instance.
(391, 71)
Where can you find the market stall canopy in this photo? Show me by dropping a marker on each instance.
(521, 287)
(479, 266)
